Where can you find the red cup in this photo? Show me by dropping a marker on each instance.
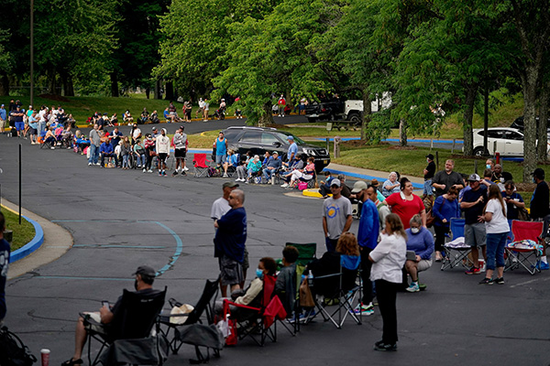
(45, 353)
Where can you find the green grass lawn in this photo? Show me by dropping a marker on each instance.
(22, 234)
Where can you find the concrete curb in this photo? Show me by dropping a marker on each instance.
(31, 246)
(56, 241)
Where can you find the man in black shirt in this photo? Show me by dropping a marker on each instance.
(446, 179)
(429, 172)
(473, 204)
(499, 176)
(540, 210)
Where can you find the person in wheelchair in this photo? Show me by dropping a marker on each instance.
(143, 284)
(329, 264)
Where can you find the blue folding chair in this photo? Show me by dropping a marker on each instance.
(457, 250)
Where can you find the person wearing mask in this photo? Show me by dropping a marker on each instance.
(388, 259)
(445, 208)
(514, 201)
(497, 228)
(420, 241)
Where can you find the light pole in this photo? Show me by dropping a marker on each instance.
(32, 53)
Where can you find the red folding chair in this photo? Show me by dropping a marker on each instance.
(526, 249)
(200, 165)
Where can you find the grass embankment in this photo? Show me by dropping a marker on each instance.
(83, 107)
(22, 234)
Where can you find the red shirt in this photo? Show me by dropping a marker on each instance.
(403, 208)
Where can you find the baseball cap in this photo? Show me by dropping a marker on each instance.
(290, 138)
(539, 172)
(230, 185)
(181, 127)
(430, 156)
(275, 152)
(474, 178)
(359, 186)
(335, 182)
(145, 271)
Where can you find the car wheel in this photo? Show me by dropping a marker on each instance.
(311, 119)
(355, 118)
(479, 151)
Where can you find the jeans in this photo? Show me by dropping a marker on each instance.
(140, 159)
(125, 161)
(331, 244)
(94, 154)
(495, 250)
(428, 190)
(268, 173)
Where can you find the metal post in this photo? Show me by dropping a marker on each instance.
(328, 144)
(494, 147)
(19, 184)
(453, 148)
(475, 166)
(32, 53)
(431, 145)
(437, 159)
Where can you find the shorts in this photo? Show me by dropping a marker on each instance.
(96, 317)
(475, 235)
(180, 153)
(19, 126)
(162, 157)
(2, 123)
(428, 189)
(33, 131)
(220, 159)
(423, 265)
(231, 271)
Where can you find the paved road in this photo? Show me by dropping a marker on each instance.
(121, 219)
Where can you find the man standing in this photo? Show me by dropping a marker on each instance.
(221, 206)
(499, 176)
(445, 179)
(3, 118)
(180, 145)
(206, 107)
(336, 215)
(4, 265)
(221, 149)
(540, 210)
(282, 105)
(429, 173)
(367, 238)
(292, 150)
(18, 118)
(230, 242)
(163, 151)
(95, 142)
(473, 204)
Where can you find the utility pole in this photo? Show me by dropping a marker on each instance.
(32, 53)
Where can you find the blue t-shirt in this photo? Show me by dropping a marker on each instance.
(292, 149)
(369, 225)
(422, 243)
(231, 235)
(4, 265)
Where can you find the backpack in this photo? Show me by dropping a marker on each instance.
(12, 350)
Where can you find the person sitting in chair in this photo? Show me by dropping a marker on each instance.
(306, 173)
(272, 166)
(285, 286)
(144, 278)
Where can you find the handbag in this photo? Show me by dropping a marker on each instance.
(306, 298)
(302, 186)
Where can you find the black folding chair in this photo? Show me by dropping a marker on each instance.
(133, 320)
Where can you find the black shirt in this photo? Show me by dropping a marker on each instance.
(471, 214)
(448, 180)
(539, 201)
(431, 170)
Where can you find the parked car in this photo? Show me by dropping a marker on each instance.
(509, 141)
(520, 124)
(241, 139)
(328, 110)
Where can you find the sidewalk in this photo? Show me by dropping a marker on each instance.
(57, 241)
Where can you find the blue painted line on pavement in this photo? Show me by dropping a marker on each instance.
(118, 246)
(31, 246)
(367, 177)
(179, 249)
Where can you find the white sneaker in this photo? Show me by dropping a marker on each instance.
(284, 185)
(186, 168)
(149, 171)
(144, 170)
(225, 175)
(97, 164)
(89, 164)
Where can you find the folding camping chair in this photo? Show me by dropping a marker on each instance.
(200, 165)
(349, 287)
(456, 251)
(131, 328)
(526, 249)
(263, 324)
(179, 329)
(311, 181)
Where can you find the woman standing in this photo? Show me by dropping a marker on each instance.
(388, 259)
(445, 208)
(406, 204)
(497, 229)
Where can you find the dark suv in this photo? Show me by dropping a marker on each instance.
(241, 139)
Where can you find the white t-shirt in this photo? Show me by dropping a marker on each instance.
(499, 222)
(219, 208)
(137, 133)
(389, 258)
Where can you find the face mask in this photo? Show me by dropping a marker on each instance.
(534, 181)
(259, 273)
(428, 161)
(488, 166)
(415, 230)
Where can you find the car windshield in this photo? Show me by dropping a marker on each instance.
(284, 135)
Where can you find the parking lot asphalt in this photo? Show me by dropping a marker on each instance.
(121, 219)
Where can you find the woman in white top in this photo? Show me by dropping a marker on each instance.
(496, 225)
(388, 259)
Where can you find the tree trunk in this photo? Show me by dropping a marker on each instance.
(467, 116)
(67, 84)
(266, 116)
(169, 91)
(147, 92)
(402, 132)
(51, 76)
(365, 118)
(529, 79)
(114, 85)
(158, 95)
(542, 143)
(4, 85)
